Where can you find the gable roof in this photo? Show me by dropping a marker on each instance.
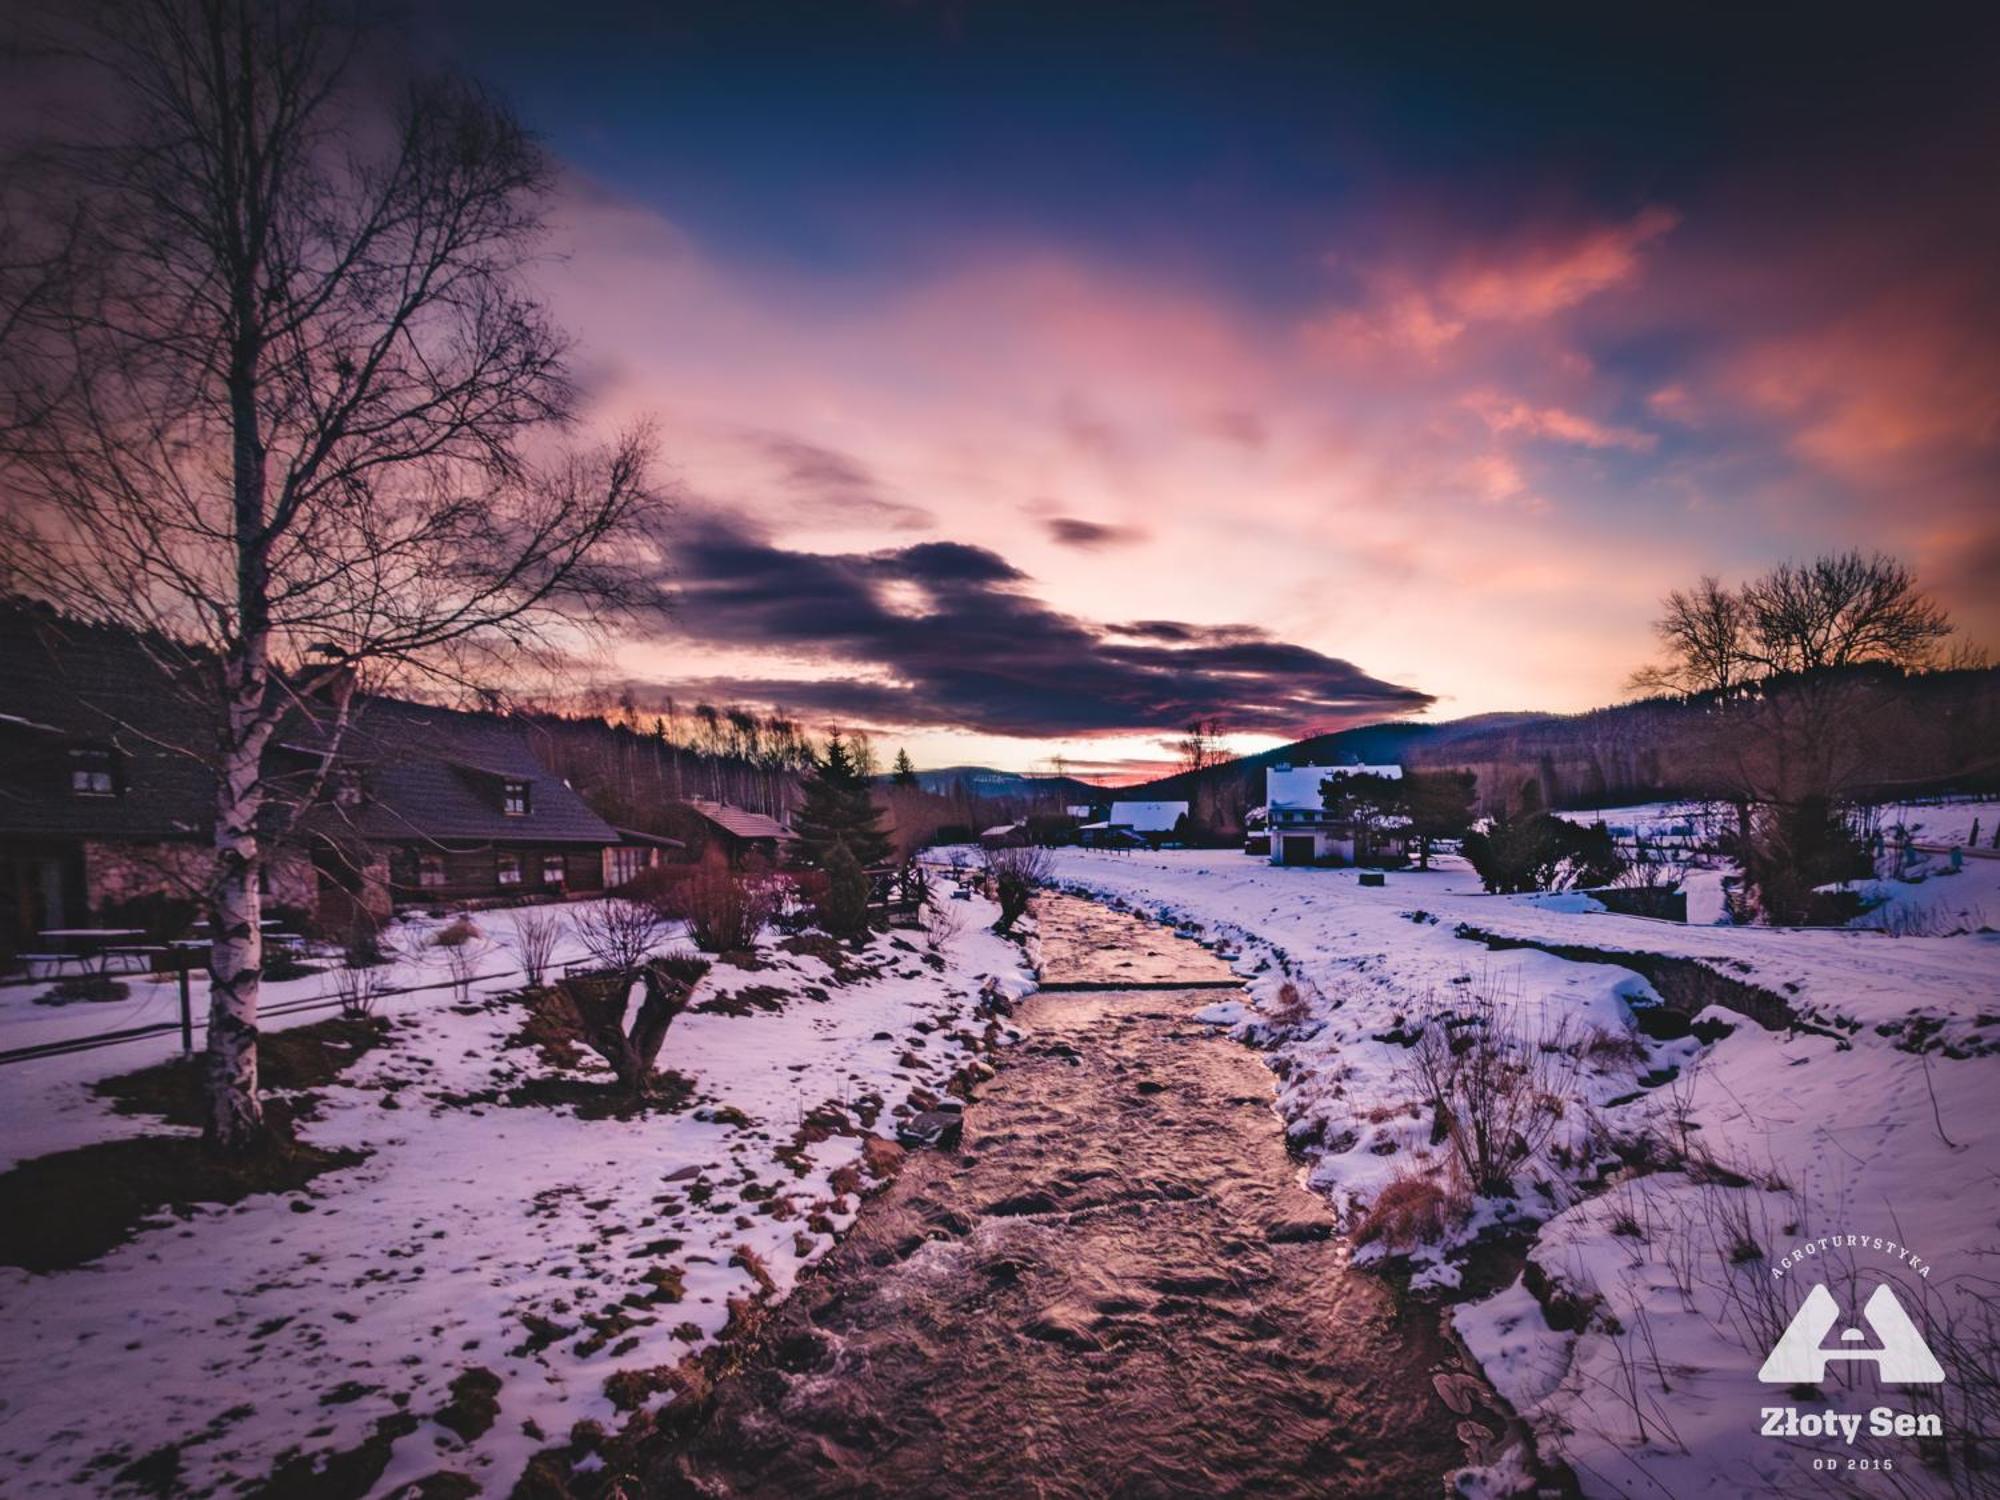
(1301, 786)
(67, 685)
(1147, 817)
(426, 772)
(740, 821)
(438, 774)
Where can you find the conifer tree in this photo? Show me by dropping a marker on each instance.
(839, 809)
(906, 770)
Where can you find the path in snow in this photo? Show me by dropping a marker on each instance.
(1116, 1286)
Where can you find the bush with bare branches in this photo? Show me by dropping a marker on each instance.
(537, 932)
(943, 920)
(726, 908)
(1015, 875)
(464, 948)
(618, 932)
(1497, 1087)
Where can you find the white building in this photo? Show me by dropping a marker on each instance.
(1302, 831)
(1156, 822)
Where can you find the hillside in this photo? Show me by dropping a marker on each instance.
(1900, 734)
(988, 784)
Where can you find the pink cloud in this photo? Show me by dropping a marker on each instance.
(1548, 276)
(1256, 478)
(1528, 279)
(1504, 415)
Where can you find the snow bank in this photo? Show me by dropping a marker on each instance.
(1684, 1169)
(550, 1249)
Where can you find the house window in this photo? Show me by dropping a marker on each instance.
(627, 861)
(514, 799)
(430, 870)
(509, 870)
(93, 773)
(555, 870)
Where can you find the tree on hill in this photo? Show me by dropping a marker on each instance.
(906, 770)
(840, 808)
(1840, 610)
(1439, 805)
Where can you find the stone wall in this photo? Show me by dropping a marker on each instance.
(116, 872)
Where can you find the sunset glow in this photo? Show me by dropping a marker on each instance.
(1443, 383)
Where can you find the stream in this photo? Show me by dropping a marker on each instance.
(1116, 1286)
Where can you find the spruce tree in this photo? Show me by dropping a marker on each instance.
(906, 770)
(1439, 804)
(843, 912)
(839, 809)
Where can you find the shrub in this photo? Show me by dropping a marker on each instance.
(83, 987)
(358, 988)
(618, 932)
(844, 911)
(537, 931)
(726, 908)
(1792, 850)
(796, 898)
(1590, 857)
(463, 946)
(457, 933)
(1539, 851)
(663, 887)
(943, 920)
(1016, 874)
(1496, 1088)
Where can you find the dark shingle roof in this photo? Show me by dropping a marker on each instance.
(65, 685)
(435, 773)
(741, 822)
(427, 773)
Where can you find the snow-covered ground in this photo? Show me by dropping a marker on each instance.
(552, 1250)
(1680, 1174)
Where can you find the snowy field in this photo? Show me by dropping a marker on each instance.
(575, 1259)
(1681, 1171)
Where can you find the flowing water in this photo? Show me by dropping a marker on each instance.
(1115, 1287)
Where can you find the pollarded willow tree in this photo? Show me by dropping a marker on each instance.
(291, 411)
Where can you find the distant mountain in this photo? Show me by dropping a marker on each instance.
(1375, 744)
(984, 781)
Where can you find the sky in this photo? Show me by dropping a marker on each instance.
(1032, 379)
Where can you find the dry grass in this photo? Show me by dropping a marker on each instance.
(1412, 1209)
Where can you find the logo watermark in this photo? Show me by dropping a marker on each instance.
(1884, 1337)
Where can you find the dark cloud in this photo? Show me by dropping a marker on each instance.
(836, 482)
(1072, 532)
(942, 634)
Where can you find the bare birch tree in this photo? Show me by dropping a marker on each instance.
(295, 414)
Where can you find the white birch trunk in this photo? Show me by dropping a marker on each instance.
(236, 955)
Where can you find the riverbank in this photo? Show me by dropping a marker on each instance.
(1116, 1285)
(509, 1274)
(1692, 1149)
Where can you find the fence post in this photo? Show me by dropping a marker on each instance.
(187, 1006)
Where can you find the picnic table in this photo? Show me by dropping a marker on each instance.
(82, 946)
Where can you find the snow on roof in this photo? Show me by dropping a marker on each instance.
(999, 830)
(1300, 786)
(1147, 817)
